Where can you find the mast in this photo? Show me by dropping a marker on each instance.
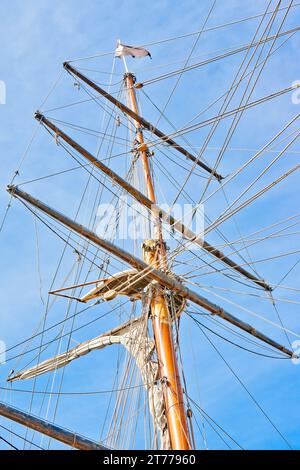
(154, 253)
(154, 261)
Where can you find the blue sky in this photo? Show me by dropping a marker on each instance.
(36, 38)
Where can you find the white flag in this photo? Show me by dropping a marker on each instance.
(122, 51)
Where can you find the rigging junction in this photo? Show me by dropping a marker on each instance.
(163, 294)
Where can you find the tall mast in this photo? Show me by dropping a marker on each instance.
(154, 253)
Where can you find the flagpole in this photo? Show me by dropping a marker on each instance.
(125, 64)
(123, 57)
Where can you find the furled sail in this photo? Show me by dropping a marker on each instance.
(130, 283)
(133, 336)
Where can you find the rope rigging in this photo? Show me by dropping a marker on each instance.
(129, 406)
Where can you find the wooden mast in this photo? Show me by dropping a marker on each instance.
(154, 254)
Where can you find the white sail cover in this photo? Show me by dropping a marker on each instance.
(122, 50)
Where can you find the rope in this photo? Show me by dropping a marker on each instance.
(246, 389)
(182, 36)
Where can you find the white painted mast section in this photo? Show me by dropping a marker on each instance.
(123, 56)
